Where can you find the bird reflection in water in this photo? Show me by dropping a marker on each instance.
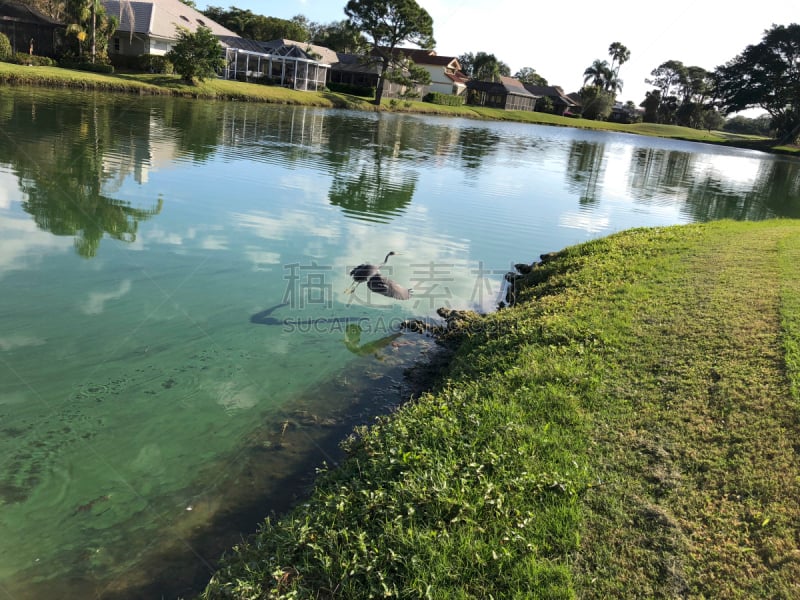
(352, 341)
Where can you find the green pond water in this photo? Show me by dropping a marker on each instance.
(177, 353)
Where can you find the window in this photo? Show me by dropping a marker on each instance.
(185, 18)
(116, 45)
(203, 23)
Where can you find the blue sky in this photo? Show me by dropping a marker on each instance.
(705, 33)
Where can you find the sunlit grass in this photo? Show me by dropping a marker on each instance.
(58, 77)
(625, 431)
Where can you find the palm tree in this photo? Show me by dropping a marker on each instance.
(619, 55)
(613, 83)
(598, 73)
(88, 19)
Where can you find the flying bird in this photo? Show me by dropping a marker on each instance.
(376, 282)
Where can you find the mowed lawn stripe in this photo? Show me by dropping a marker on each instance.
(703, 471)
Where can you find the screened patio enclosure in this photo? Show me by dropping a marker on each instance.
(287, 70)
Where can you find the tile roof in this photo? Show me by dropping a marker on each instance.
(353, 63)
(507, 85)
(240, 43)
(424, 57)
(160, 18)
(327, 55)
(458, 77)
(551, 91)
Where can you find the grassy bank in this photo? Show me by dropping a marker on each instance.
(216, 89)
(628, 430)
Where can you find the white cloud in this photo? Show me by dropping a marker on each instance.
(96, 302)
(11, 342)
(586, 221)
(282, 227)
(8, 182)
(214, 242)
(23, 244)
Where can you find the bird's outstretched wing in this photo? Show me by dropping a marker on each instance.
(386, 287)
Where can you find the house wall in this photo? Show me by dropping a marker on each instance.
(158, 46)
(514, 102)
(441, 87)
(353, 77)
(123, 44)
(481, 98)
(439, 81)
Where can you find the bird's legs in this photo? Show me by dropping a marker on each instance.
(352, 287)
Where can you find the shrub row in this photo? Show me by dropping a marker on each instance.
(5, 47)
(144, 63)
(363, 91)
(81, 65)
(23, 58)
(445, 99)
(7, 54)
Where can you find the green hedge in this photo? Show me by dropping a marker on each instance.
(5, 47)
(143, 63)
(445, 99)
(79, 65)
(355, 90)
(23, 58)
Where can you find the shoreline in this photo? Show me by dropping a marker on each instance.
(586, 448)
(234, 91)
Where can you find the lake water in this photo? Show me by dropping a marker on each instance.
(177, 352)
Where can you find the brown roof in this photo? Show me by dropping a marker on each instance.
(424, 57)
(506, 85)
(551, 91)
(458, 77)
(21, 13)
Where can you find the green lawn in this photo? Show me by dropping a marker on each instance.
(627, 430)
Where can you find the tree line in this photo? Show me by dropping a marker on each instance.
(765, 75)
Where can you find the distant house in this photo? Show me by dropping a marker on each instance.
(508, 94)
(356, 70)
(154, 26)
(562, 103)
(445, 72)
(363, 71)
(29, 30)
(624, 114)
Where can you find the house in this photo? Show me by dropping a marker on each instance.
(445, 71)
(507, 93)
(353, 69)
(151, 26)
(625, 114)
(562, 103)
(284, 62)
(29, 30)
(360, 71)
